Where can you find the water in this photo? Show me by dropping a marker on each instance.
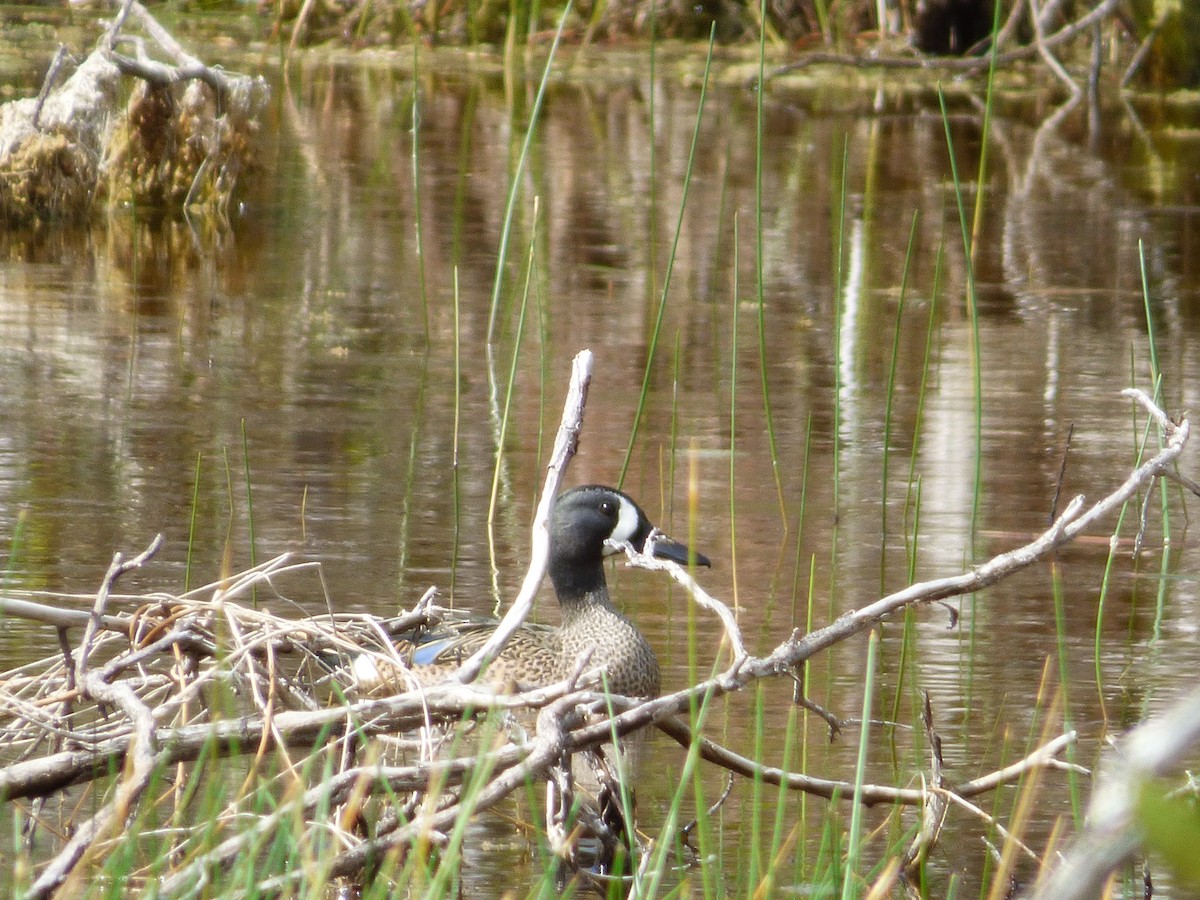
(311, 352)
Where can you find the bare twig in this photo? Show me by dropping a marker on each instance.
(1052, 63)
(565, 444)
(1143, 50)
(933, 813)
(142, 749)
(61, 618)
(48, 83)
(1009, 28)
(116, 569)
(647, 560)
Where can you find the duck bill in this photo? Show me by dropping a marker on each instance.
(665, 548)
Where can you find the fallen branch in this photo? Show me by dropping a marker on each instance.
(566, 442)
(143, 750)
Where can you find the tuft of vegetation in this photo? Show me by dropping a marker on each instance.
(166, 137)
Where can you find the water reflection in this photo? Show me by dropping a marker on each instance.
(311, 352)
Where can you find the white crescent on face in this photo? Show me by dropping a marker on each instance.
(627, 522)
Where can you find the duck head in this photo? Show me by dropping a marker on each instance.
(593, 521)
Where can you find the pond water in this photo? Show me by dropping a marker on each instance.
(290, 385)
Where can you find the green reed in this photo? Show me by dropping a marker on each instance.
(410, 476)
(785, 837)
(1156, 377)
(650, 877)
(733, 359)
(805, 715)
(1110, 560)
(231, 519)
(1064, 678)
(908, 636)
(249, 494)
(455, 471)
(759, 262)
(662, 301)
(673, 453)
(753, 853)
(839, 264)
(850, 882)
(450, 859)
(971, 298)
(652, 172)
(16, 548)
(530, 267)
(514, 188)
(194, 512)
(912, 495)
(889, 399)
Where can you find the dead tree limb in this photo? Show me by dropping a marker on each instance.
(143, 756)
(566, 442)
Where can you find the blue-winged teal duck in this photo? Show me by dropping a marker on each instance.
(588, 523)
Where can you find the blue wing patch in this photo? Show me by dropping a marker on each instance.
(428, 653)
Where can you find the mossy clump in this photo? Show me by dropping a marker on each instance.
(174, 148)
(49, 176)
(128, 132)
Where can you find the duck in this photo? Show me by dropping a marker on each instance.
(587, 524)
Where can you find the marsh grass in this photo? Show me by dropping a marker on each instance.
(890, 398)
(514, 188)
(758, 846)
(656, 328)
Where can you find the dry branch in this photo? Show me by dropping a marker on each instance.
(565, 444)
(142, 756)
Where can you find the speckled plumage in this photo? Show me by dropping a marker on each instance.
(583, 520)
